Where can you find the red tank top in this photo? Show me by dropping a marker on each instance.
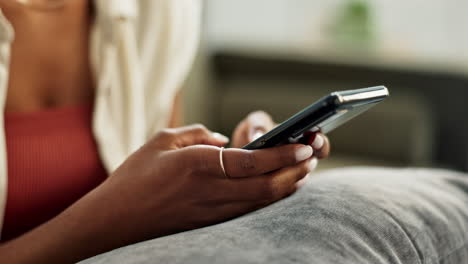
(52, 162)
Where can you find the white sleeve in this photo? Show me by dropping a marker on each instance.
(168, 37)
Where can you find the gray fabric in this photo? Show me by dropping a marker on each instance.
(354, 215)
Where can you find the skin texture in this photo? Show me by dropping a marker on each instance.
(150, 194)
(55, 71)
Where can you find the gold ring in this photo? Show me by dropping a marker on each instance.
(221, 163)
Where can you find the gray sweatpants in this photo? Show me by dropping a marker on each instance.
(354, 215)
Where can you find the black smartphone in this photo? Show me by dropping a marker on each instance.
(323, 116)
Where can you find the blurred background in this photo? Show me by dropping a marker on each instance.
(280, 56)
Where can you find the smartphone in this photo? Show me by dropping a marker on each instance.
(323, 116)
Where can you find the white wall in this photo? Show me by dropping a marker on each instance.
(416, 28)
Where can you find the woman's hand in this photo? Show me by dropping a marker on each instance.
(252, 127)
(173, 183)
(258, 123)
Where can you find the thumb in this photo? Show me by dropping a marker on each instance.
(259, 123)
(198, 135)
(255, 133)
(217, 139)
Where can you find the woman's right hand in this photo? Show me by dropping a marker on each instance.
(175, 182)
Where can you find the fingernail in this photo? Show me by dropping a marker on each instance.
(313, 164)
(220, 137)
(257, 135)
(303, 181)
(318, 142)
(304, 153)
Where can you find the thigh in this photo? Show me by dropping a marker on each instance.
(358, 215)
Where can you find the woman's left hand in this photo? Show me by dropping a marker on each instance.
(258, 123)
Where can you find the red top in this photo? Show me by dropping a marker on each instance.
(52, 162)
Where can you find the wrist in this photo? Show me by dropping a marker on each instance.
(69, 237)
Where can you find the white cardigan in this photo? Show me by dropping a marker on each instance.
(141, 52)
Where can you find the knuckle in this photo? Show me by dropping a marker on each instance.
(166, 134)
(197, 158)
(271, 190)
(305, 169)
(202, 164)
(285, 156)
(298, 172)
(199, 128)
(248, 163)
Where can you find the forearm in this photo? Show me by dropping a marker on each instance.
(81, 231)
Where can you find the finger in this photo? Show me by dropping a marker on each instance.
(240, 163)
(300, 184)
(259, 123)
(200, 158)
(313, 163)
(217, 139)
(319, 142)
(240, 136)
(270, 187)
(194, 135)
(324, 151)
